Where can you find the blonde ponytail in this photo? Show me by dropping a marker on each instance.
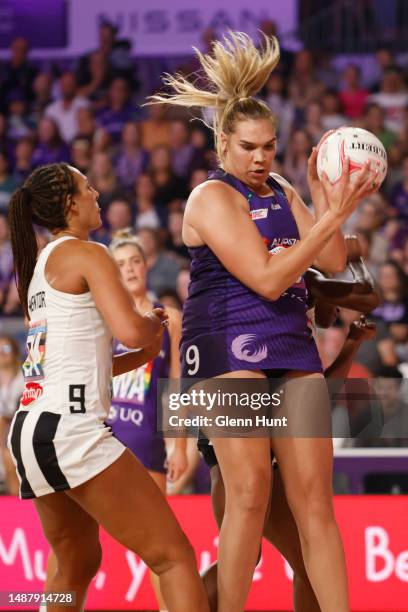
(234, 72)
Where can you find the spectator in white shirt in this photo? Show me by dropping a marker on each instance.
(393, 98)
(65, 110)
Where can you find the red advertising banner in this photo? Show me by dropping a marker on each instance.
(374, 528)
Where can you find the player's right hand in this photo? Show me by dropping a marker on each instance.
(158, 320)
(344, 195)
(159, 317)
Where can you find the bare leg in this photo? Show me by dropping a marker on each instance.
(11, 474)
(74, 538)
(246, 468)
(210, 576)
(139, 518)
(281, 531)
(160, 480)
(306, 470)
(9, 467)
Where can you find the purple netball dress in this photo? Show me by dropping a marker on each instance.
(133, 413)
(227, 326)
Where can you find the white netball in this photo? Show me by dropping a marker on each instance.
(355, 143)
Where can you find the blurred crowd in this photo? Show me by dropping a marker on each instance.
(144, 161)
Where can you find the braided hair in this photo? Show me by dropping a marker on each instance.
(42, 200)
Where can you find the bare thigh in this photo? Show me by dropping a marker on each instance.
(306, 463)
(244, 462)
(129, 505)
(71, 532)
(160, 479)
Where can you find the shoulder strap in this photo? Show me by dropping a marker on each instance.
(225, 177)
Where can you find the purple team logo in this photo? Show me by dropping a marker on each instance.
(247, 348)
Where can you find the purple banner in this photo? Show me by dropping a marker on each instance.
(42, 22)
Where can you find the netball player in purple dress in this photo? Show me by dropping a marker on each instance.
(246, 311)
(280, 528)
(133, 413)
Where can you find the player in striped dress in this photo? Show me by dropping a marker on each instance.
(66, 456)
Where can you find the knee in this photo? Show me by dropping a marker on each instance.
(80, 566)
(313, 510)
(250, 493)
(170, 555)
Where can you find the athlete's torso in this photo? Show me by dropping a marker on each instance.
(69, 361)
(232, 326)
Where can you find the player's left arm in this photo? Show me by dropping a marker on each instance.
(343, 293)
(177, 460)
(175, 336)
(333, 256)
(134, 359)
(359, 331)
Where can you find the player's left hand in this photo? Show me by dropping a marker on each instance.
(176, 464)
(353, 249)
(362, 329)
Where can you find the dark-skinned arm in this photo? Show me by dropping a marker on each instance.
(134, 359)
(359, 331)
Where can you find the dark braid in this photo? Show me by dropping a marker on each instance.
(42, 200)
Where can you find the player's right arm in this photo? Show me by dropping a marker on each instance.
(102, 276)
(218, 216)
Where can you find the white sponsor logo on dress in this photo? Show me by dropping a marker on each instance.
(259, 213)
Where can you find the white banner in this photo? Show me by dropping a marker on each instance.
(163, 27)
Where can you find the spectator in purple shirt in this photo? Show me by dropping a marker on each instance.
(399, 195)
(81, 154)
(119, 110)
(18, 72)
(19, 124)
(50, 148)
(95, 84)
(393, 287)
(181, 148)
(23, 160)
(6, 258)
(7, 182)
(4, 141)
(117, 54)
(146, 212)
(132, 159)
(86, 123)
(42, 87)
(168, 185)
(103, 178)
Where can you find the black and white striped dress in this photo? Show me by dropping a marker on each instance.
(58, 437)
